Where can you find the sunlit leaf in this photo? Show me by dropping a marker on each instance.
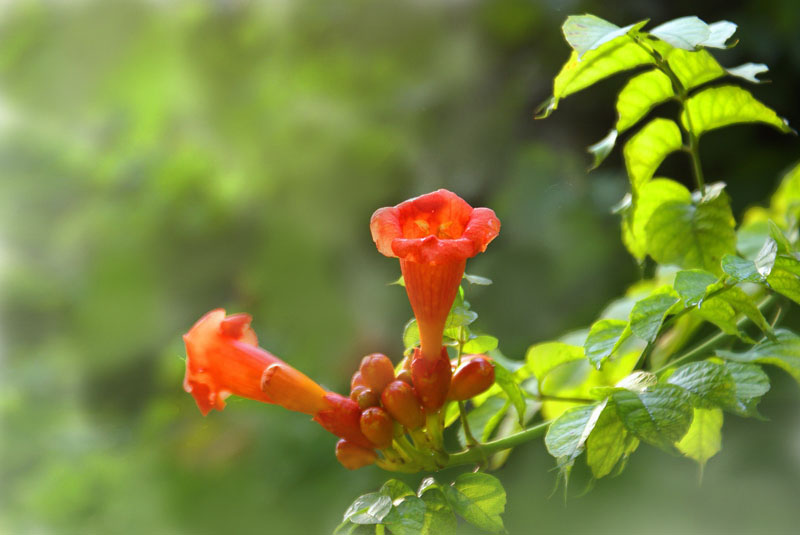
(567, 435)
(740, 269)
(691, 68)
(660, 416)
(692, 285)
(478, 498)
(480, 344)
(604, 337)
(640, 95)
(439, 518)
(648, 314)
(703, 440)
(506, 381)
(645, 151)
(407, 517)
(785, 277)
(709, 383)
(783, 352)
(720, 32)
(588, 32)
(606, 443)
(651, 196)
(684, 32)
(541, 359)
(369, 509)
(692, 235)
(716, 107)
(748, 71)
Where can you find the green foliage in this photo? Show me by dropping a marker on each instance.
(478, 498)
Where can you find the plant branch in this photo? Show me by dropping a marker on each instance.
(488, 448)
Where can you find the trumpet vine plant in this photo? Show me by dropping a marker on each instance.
(662, 365)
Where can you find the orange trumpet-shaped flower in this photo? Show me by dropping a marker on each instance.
(223, 358)
(433, 235)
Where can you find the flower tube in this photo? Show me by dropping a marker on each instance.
(433, 235)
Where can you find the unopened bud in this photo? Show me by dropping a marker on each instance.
(377, 371)
(352, 456)
(377, 426)
(357, 380)
(471, 378)
(405, 376)
(431, 379)
(401, 401)
(364, 397)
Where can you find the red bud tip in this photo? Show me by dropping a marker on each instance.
(352, 456)
(377, 426)
(377, 371)
(401, 401)
(471, 378)
(431, 379)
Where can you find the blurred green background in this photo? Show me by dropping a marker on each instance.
(159, 159)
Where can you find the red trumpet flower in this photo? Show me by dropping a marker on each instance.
(223, 359)
(433, 235)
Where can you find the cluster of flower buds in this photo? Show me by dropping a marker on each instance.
(396, 411)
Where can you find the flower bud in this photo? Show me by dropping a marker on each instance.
(405, 376)
(431, 379)
(352, 456)
(342, 418)
(364, 397)
(377, 426)
(377, 371)
(357, 380)
(471, 378)
(401, 401)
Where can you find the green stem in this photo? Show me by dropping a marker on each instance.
(682, 95)
(488, 448)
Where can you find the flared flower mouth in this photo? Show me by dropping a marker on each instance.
(223, 358)
(434, 228)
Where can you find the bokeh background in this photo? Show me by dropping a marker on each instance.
(159, 159)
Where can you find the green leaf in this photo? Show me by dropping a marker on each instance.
(645, 151)
(716, 107)
(369, 509)
(604, 337)
(439, 517)
(786, 200)
(740, 269)
(651, 196)
(692, 235)
(659, 417)
(567, 435)
(638, 381)
(648, 314)
(396, 489)
(748, 71)
(505, 380)
(588, 32)
(602, 148)
(411, 335)
(684, 32)
(724, 309)
(784, 247)
(709, 383)
(785, 277)
(407, 517)
(639, 96)
(578, 73)
(783, 352)
(606, 443)
(692, 285)
(543, 358)
(691, 68)
(480, 344)
(479, 499)
(348, 528)
(477, 280)
(703, 440)
(750, 383)
(460, 316)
